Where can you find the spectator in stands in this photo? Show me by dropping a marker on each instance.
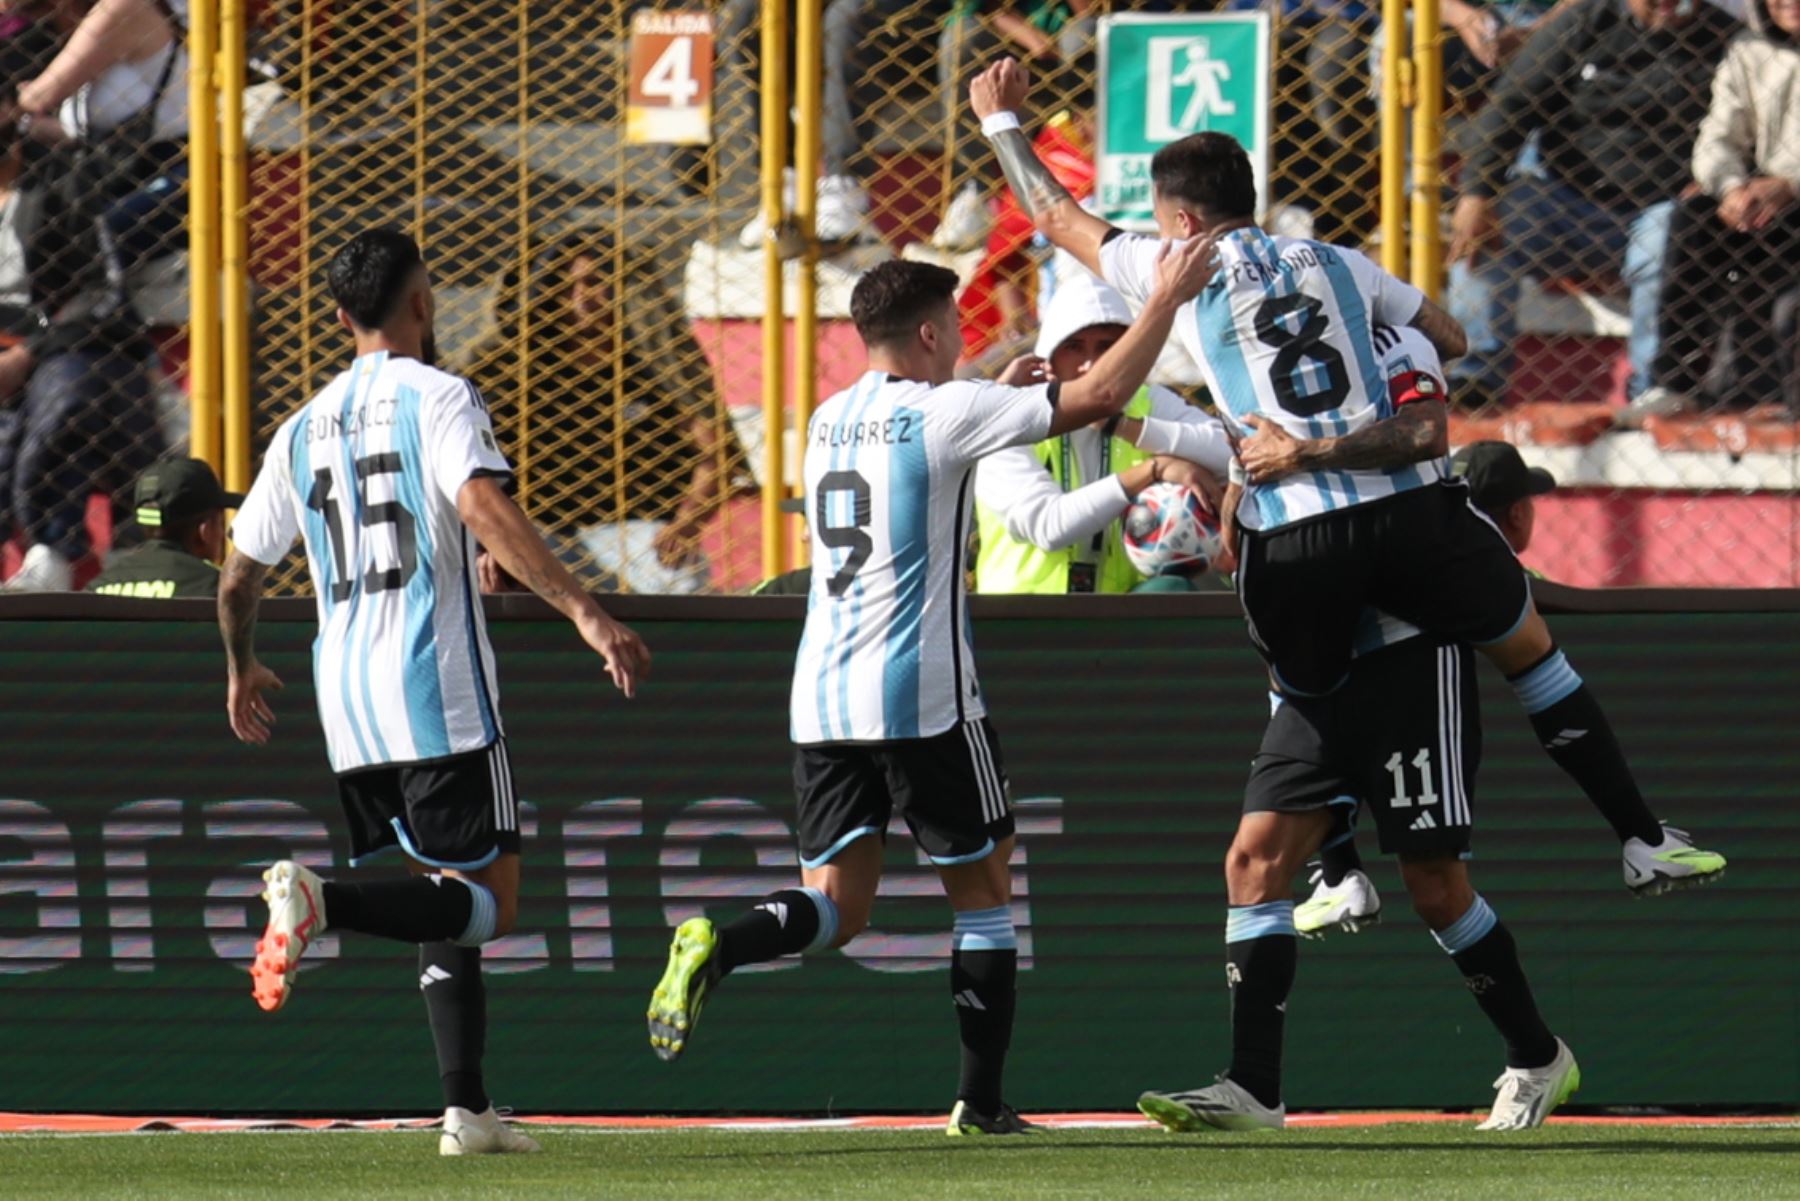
(181, 509)
(1733, 248)
(1615, 89)
(119, 88)
(623, 446)
(842, 202)
(77, 413)
(1055, 40)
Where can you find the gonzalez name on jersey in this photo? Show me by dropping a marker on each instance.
(368, 474)
(886, 652)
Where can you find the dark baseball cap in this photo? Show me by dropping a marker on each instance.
(178, 489)
(1497, 474)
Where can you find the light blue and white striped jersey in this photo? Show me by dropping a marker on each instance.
(1284, 332)
(368, 473)
(889, 469)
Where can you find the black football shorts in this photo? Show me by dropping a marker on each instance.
(950, 788)
(1401, 739)
(1427, 556)
(458, 812)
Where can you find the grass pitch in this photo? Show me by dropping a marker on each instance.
(1427, 1161)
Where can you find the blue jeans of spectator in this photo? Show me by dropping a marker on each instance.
(85, 424)
(1550, 230)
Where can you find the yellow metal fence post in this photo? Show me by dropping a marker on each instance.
(1427, 155)
(808, 103)
(1394, 81)
(774, 157)
(234, 195)
(203, 233)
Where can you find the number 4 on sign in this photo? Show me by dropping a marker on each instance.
(671, 76)
(1396, 767)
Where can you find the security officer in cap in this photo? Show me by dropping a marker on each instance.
(1503, 487)
(181, 508)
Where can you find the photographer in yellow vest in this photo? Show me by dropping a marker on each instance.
(1049, 514)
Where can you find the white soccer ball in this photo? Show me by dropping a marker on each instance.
(1168, 532)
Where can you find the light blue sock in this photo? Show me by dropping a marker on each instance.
(984, 930)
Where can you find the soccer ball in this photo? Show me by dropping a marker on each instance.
(1167, 532)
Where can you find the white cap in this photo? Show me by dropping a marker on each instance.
(1080, 301)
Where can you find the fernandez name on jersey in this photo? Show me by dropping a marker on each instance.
(886, 653)
(368, 474)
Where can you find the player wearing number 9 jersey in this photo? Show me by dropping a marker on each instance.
(390, 475)
(886, 711)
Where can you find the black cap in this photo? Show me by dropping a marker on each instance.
(1498, 476)
(180, 488)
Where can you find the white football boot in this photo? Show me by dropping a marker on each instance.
(467, 1133)
(967, 222)
(1673, 863)
(1349, 907)
(1225, 1105)
(1529, 1095)
(296, 919)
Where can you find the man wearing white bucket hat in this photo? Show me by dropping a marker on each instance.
(1049, 513)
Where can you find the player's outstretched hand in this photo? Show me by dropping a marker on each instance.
(1183, 268)
(627, 658)
(1269, 454)
(1001, 88)
(252, 720)
(1025, 371)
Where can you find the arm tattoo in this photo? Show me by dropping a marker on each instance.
(240, 592)
(1031, 181)
(1415, 433)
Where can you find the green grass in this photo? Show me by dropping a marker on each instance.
(1394, 1161)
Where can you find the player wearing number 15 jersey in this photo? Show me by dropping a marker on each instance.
(390, 475)
(886, 713)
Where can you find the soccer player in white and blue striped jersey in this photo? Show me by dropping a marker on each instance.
(886, 712)
(391, 476)
(1343, 502)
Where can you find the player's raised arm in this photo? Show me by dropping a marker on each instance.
(1182, 270)
(996, 96)
(507, 534)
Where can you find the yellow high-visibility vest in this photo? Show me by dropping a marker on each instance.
(1007, 565)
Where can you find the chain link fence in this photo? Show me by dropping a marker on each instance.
(496, 133)
(1619, 214)
(1631, 302)
(93, 294)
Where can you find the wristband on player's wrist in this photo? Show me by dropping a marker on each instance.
(995, 124)
(1235, 474)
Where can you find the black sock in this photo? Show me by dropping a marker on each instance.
(1575, 733)
(782, 923)
(984, 976)
(1484, 952)
(418, 909)
(456, 1004)
(1337, 860)
(1261, 953)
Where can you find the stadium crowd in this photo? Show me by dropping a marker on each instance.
(1652, 145)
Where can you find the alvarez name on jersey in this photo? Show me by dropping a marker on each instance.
(1285, 333)
(886, 651)
(368, 473)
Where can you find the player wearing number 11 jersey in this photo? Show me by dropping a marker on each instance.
(390, 475)
(886, 713)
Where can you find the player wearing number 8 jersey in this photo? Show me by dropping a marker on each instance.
(1336, 493)
(886, 710)
(390, 475)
